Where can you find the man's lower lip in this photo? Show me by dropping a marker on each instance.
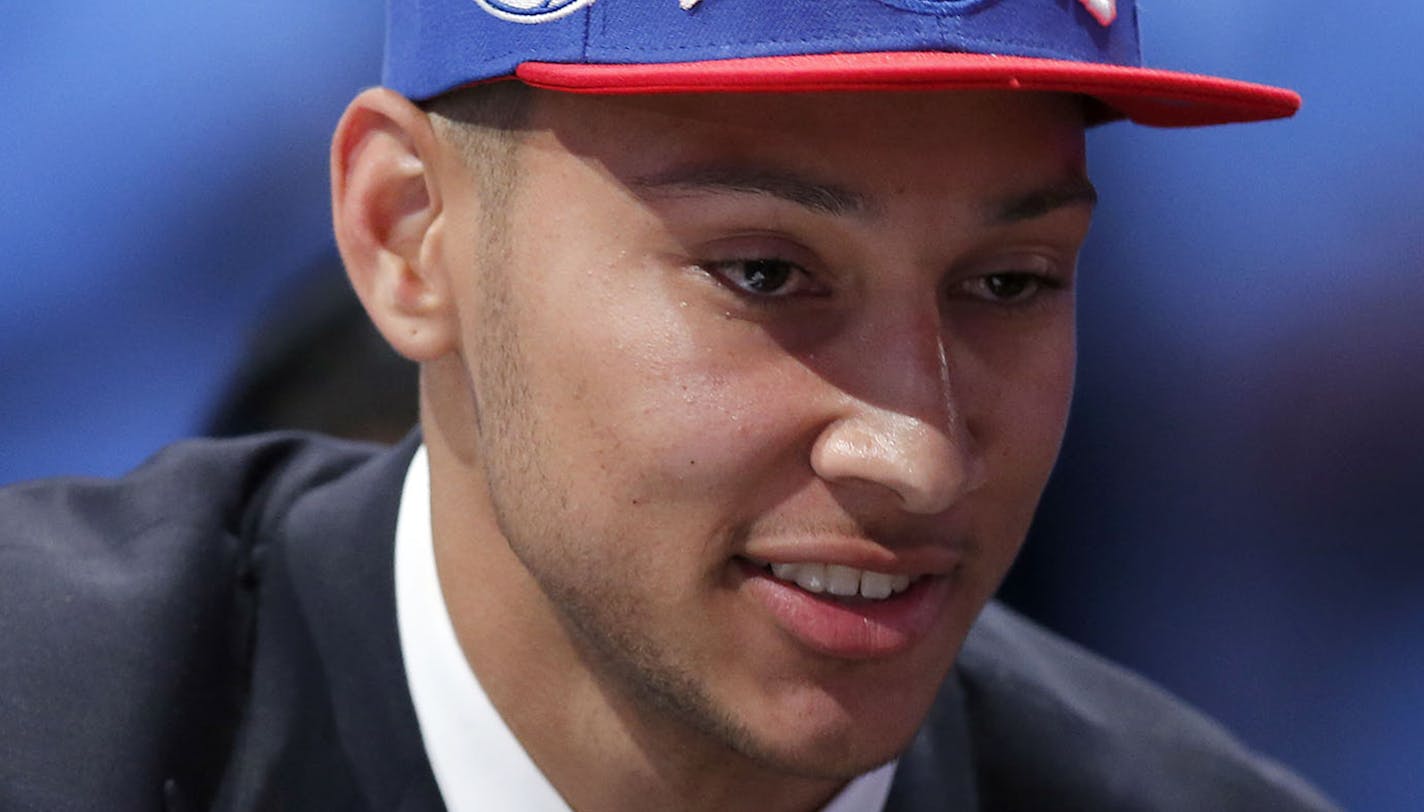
(855, 629)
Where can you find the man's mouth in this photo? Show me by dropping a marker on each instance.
(839, 580)
(845, 611)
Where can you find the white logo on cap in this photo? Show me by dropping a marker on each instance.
(531, 11)
(542, 11)
(1104, 11)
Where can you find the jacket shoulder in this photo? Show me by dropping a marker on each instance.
(126, 609)
(229, 483)
(1051, 722)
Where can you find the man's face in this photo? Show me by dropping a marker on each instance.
(710, 337)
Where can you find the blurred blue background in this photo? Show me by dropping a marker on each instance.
(1236, 511)
(162, 172)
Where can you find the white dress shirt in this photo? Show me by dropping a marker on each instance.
(479, 765)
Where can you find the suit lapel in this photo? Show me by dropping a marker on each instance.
(937, 772)
(340, 557)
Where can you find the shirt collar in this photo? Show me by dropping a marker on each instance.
(477, 761)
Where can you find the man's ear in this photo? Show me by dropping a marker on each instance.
(386, 208)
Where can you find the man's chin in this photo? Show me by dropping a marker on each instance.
(840, 720)
(837, 750)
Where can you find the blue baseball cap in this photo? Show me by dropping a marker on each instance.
(1087, 47)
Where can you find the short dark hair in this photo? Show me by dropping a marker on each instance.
(484, 121)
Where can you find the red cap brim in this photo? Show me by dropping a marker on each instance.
(1147, 96)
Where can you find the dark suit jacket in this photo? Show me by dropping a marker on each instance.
(217, 630)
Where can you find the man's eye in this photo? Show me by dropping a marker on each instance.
(760, 277)
(1010, 288)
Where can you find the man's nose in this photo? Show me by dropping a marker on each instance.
(901, 427)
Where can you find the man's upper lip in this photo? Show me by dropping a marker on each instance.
(859, 553)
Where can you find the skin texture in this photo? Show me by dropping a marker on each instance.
(703, 330)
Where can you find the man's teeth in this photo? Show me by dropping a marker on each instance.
(842, 581)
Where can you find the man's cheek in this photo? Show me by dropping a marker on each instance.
(709, 436)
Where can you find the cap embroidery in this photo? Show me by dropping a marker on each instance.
(1104, 11)
(687, 4)
(531, 11)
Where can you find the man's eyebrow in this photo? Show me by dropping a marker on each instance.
(1075, 191)
(827, 198)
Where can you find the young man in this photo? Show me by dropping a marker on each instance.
(746, 346)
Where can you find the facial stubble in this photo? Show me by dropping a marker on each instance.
(649, 687)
